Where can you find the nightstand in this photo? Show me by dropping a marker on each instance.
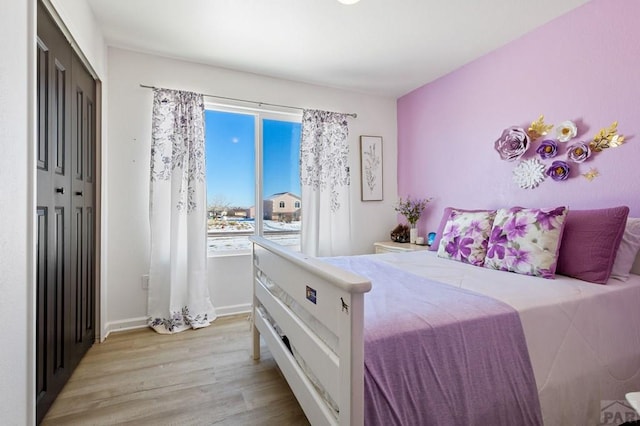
(393, 247)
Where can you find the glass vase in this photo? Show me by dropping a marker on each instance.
(413, 233)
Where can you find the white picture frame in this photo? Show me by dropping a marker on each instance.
(371, 168)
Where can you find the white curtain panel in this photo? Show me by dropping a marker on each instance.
(324, 176)
(178, 289)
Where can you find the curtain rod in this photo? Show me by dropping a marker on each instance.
(350, 114)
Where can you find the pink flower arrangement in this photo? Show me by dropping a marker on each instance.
(412, 209)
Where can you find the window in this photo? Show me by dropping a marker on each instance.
(242, 191)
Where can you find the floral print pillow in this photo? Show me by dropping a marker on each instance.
(466, 235)
(526, 241)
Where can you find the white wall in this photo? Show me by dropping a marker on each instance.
(17, 42)
(79, 20)
(127, 174)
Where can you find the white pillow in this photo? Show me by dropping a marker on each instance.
(628, 250)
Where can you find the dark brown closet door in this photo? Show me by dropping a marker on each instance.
(53, 212)
(65, 215)
(83, 213)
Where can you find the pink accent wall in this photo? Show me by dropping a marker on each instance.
(583, 66)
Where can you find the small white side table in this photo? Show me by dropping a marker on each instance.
(393, 247)
(634, 400)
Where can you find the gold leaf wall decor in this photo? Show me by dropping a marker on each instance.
(607, 138)
(591, 174)
(538, 128)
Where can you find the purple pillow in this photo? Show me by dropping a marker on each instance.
(526, 241)
(466, 235)
(443, 222)
(590, 242)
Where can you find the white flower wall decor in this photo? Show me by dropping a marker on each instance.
(566, 131)
(529, 173)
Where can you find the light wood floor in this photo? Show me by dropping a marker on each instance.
(197, 377)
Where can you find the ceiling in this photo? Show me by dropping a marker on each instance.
(381, 47)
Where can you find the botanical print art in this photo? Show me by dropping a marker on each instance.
(371, 167)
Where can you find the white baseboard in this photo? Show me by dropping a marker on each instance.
(142, 322)
(225, 311)
(126, 325)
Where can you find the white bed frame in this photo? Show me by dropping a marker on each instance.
(338, 304)
(336, 299)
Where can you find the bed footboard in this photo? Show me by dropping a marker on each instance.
(327, 295)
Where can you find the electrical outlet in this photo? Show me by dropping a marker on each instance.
(145, 282)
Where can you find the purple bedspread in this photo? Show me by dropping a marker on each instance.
(439, 355)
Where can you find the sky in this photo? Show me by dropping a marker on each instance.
(230, 157)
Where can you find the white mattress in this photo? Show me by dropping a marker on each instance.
(583, 338)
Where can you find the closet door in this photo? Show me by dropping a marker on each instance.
(82, 211)
(65, 214)
(53, 212)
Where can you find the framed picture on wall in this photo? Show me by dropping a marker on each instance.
(371, 168)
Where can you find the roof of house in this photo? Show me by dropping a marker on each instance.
(279, 194)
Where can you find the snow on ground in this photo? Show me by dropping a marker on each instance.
(227, 245)
(225, 242)
(231, 225)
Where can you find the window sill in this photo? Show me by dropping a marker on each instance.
(228, 253)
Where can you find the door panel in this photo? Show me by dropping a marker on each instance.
(82, 201)
(64, 214)
(42, 82)
(54, 78)
(41, 294)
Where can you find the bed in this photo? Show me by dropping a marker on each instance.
(583, 339)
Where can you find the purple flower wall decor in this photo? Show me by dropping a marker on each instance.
(547, 149)
(512, 144)
(578, 152)
(559, 170)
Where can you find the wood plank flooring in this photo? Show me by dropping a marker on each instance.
(197, 377)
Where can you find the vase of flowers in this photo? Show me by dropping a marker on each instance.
(412, 209)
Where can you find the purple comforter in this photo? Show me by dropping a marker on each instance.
(439, 355)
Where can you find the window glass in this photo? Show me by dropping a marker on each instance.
(231, 179)
(230, 161)
(281, 181)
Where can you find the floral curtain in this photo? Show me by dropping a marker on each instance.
(178, 288)
(325, 180)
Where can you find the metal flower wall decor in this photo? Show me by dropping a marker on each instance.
(515, 143)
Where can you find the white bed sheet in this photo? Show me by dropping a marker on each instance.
(583, 338)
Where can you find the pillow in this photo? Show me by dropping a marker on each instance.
(445, 217)
(465, 236)
(628, 250)
(526, 241)
(590, 242)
